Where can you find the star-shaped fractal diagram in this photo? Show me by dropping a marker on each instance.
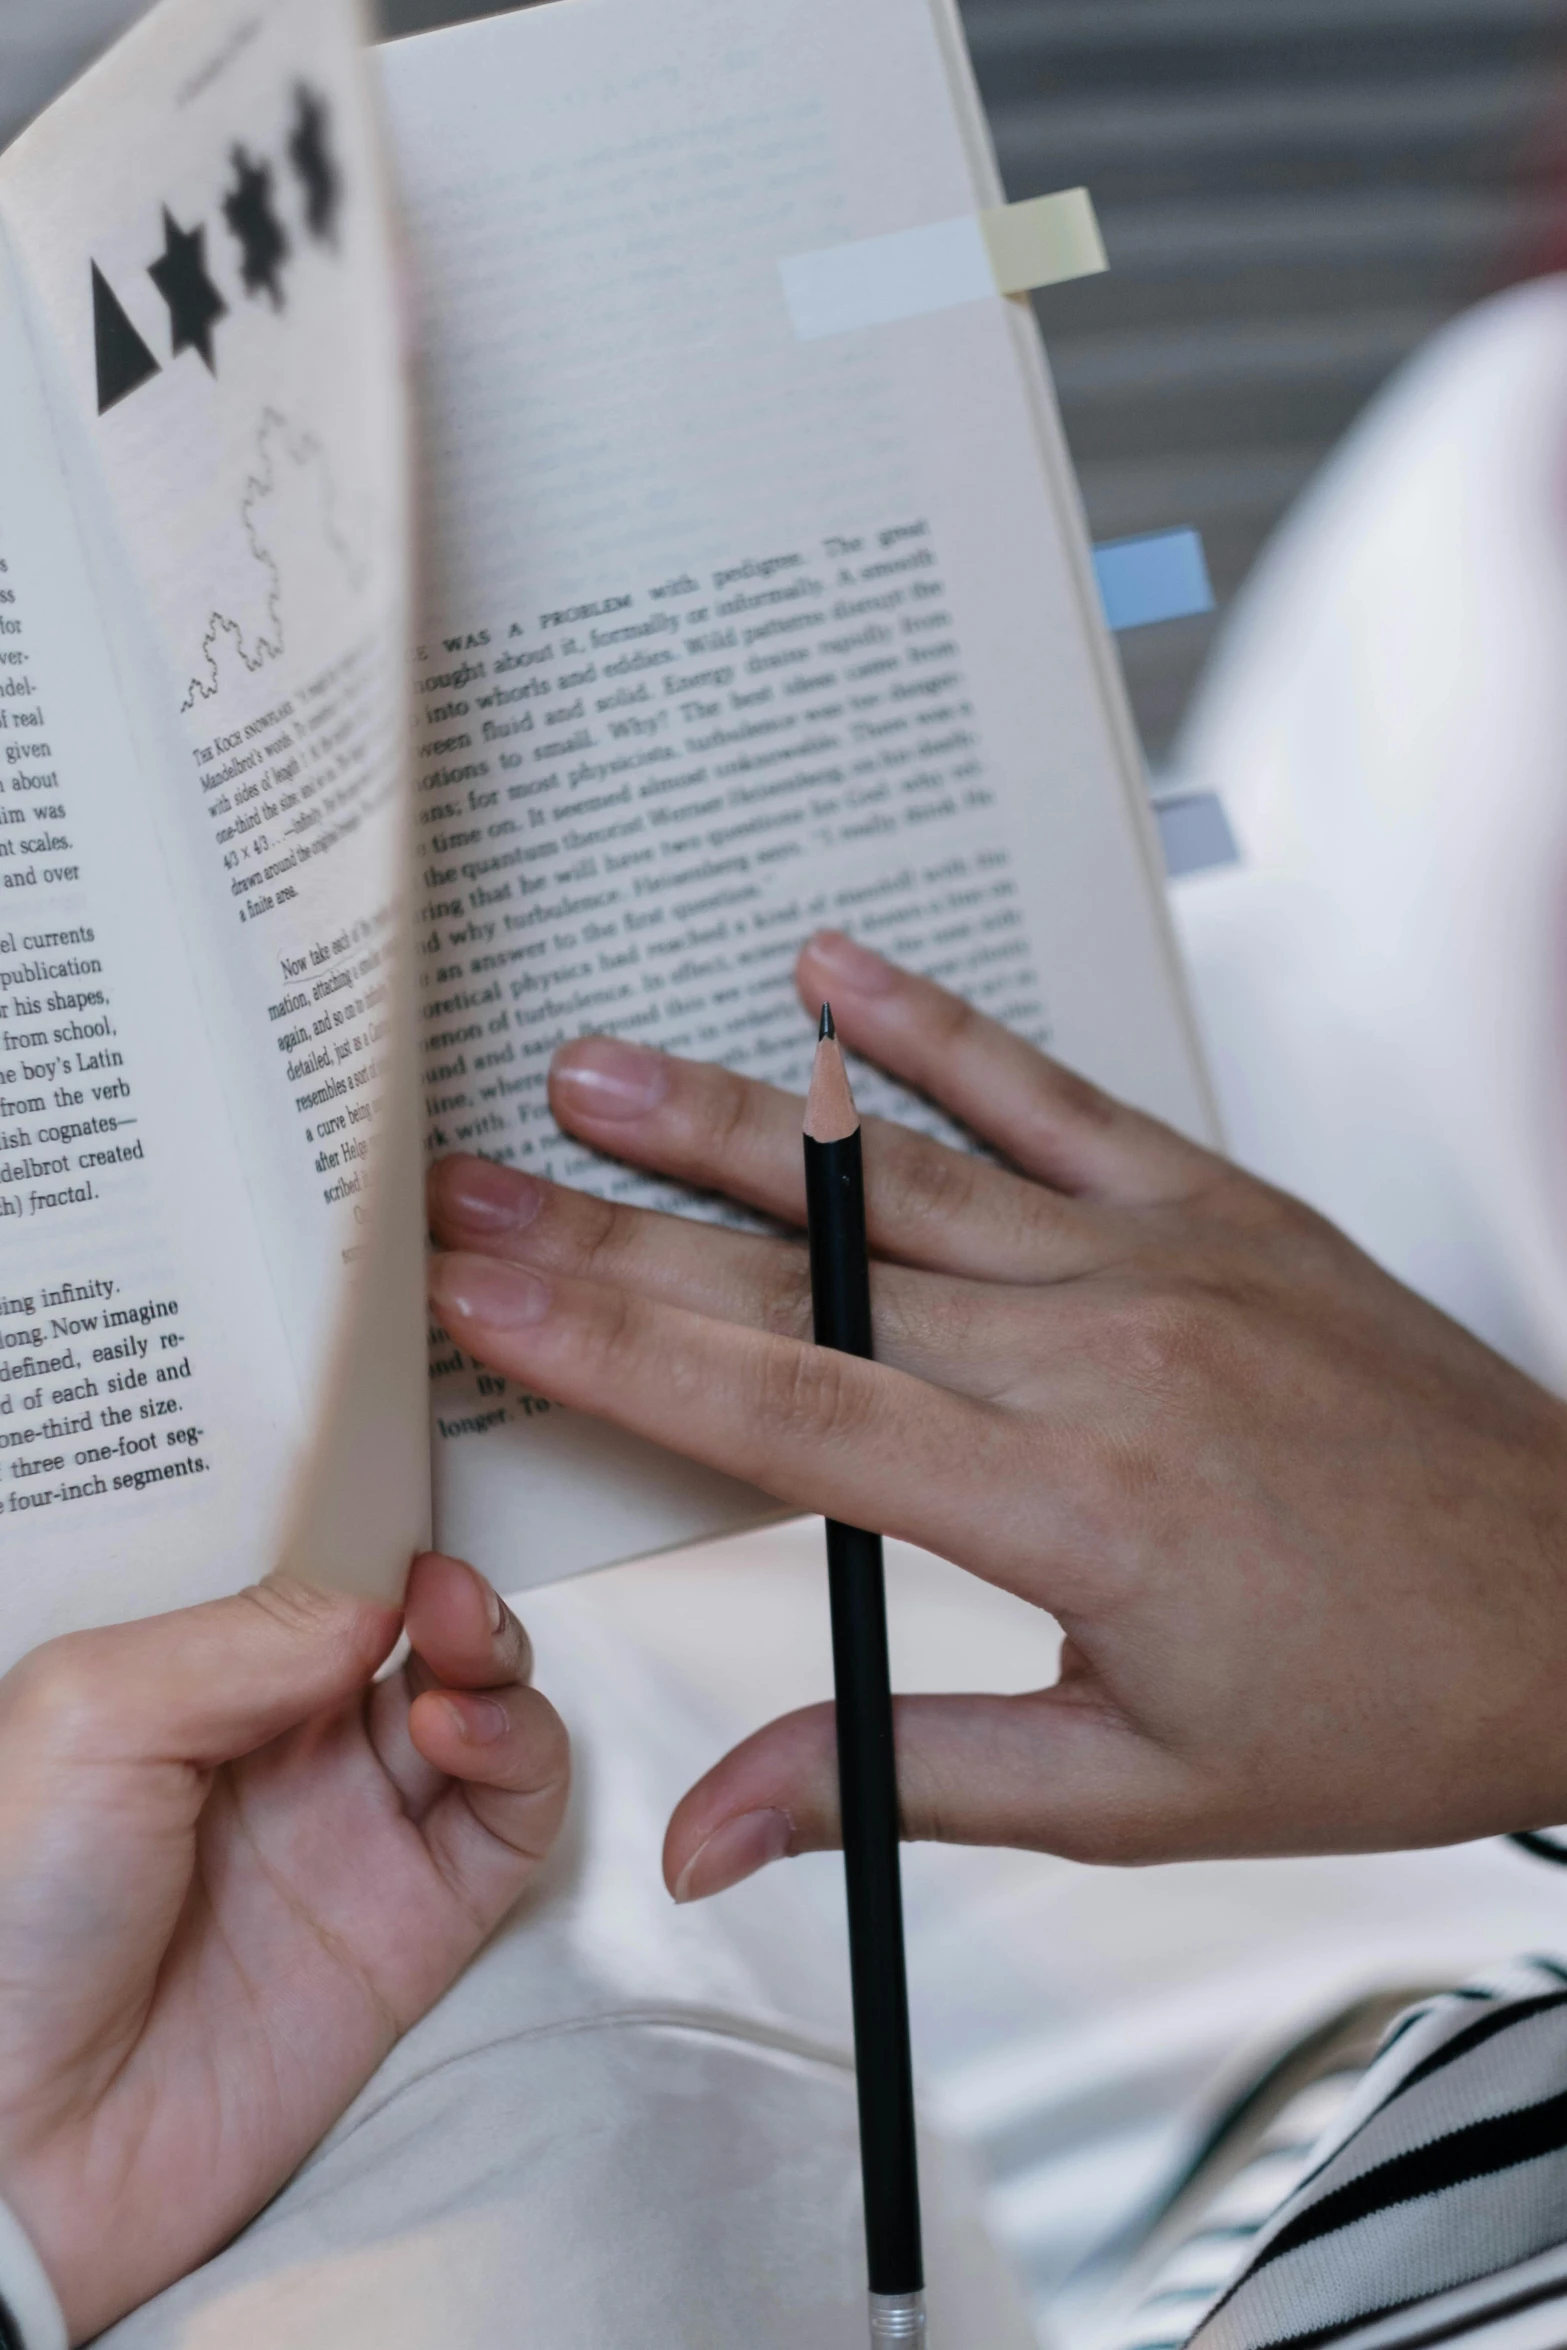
(310, 152)
(248, 210)
(180, 275)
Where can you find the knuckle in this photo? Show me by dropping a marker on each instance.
(1104, 1840)
(927, 1813)
(58, 1690)
(609, 1337)
(726, 1111)
(950, 1020)
(537, 1789)
(1259, 1209)
(806, 1394)
(1121, 1461)
(936, 1186)
(1171, 1338)
(1048, 1220)
(787, 1309)
(601, 1234)
(1169, 1335)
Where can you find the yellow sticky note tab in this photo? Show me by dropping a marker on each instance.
(1043, 242)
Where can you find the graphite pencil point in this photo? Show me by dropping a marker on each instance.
(830, 1114)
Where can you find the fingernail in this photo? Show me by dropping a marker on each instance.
(736, 1850)
(486, 1197)
(494, 1605)
(609, 1079)
(477, 1289)
(850, 965)
(479, 1720)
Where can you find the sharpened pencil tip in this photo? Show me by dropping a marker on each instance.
(830, 1114)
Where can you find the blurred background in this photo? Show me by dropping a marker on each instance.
(1294, 193)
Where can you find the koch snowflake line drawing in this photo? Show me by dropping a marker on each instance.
(289, 496)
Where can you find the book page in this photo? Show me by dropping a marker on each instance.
(215, 611)
(728, 635)
(139, 1449)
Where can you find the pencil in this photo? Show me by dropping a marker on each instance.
(867, 1768)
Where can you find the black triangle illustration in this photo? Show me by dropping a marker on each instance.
(124, 361)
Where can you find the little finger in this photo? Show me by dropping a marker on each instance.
(858, 1441)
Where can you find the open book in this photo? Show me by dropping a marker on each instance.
(309, 849)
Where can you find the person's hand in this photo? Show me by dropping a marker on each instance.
(232, 1873)
(1307, 1539)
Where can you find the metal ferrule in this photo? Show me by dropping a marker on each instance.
(897, 2317)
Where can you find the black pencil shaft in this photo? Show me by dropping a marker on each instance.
(868, 1788)
(840, 1255)
(867, 1769)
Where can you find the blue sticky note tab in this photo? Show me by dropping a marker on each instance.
(1195, 834)
(1163, 576)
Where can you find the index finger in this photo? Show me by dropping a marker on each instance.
(462, 1636)
(461, 1628)
(1048, 1120)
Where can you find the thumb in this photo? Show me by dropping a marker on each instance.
(201, 1685)
(1047, 1772)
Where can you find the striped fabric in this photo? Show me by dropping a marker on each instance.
(1431, 2210)
(1206, 2259)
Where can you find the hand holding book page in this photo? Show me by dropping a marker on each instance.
(232, 1873)
(725, 634)
(202, 831)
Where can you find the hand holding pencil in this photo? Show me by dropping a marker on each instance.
(1116, 1376)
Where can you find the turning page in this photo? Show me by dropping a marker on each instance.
(726, 634)
(210, 1338)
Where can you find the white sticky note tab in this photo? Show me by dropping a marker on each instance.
(914, 271)
(878, 279)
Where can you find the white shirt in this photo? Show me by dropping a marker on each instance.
(1382, 982)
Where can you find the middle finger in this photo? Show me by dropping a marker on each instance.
(462, 1636)
(925, 1204)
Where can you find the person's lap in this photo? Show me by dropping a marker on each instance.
(630, 2180)
(1074, 2026)
(631, 2119)
(627, 2121)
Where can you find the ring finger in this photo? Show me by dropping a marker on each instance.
(968, 1336)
